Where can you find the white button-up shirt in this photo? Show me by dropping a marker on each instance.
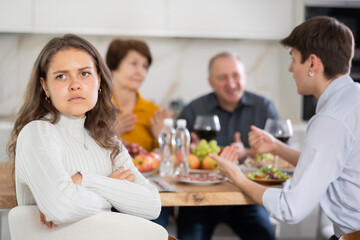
(328, 170)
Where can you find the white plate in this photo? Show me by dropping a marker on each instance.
(203, 171)
(245, 169)
(248, 167)
(215, 179)
(288, 170)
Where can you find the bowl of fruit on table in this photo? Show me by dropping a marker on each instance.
(199, 155)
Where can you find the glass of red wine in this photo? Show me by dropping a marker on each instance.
(281, 130)
(207, 127)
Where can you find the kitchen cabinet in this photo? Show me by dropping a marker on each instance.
(225, 19)
(15, 16)
(120, 17)
(238, 19)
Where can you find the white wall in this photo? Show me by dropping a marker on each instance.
(182, 35)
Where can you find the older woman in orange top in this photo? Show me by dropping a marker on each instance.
(140, 121)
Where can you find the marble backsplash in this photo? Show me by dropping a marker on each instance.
(179, 70)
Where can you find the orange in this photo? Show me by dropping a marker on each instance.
(209, 164)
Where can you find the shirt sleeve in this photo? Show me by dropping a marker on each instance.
(271, 110)
(39, 165)
(320, 163)
(140, 198)
(189, 114)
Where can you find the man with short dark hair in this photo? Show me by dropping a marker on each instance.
(237, 110)
(328, 168)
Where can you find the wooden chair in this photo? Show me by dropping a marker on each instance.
(351, 236)
(171, 238)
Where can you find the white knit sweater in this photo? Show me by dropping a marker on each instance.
(47, 155)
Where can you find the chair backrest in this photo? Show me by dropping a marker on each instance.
(351, 236)
(5, 130)
(24, 223)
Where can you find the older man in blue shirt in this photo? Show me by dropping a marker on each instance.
(237, 110)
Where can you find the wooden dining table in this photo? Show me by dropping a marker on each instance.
(7, 187)
(223, 193)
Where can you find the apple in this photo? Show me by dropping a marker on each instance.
(209, 164)
(143, 162)
(194, 161)
(155, 160)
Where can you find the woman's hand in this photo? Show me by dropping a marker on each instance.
(125, 123)
(227, 162)
(228, 167)
(261, 141)
(157, 121)
(122, 174)
(76, 178)
(43, 221)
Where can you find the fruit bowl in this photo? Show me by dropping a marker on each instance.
(202, 150)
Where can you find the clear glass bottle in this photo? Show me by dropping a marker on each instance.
(182, 145)
(166, 144)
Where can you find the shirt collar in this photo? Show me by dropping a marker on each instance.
(245, 100)
(74, 125)
(331, 89)
(139, 105)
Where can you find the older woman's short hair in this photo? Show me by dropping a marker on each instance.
(119, 48)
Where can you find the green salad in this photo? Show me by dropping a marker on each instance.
(263, 156)
(268, 173)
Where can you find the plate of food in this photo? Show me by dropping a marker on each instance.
(200, 178)
(268, 176)
(265, 160)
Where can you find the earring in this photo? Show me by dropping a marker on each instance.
(311, 74)
(47, 99)
(99, 91)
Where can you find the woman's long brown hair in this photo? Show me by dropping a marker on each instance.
(99, 121)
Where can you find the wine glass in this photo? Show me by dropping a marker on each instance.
(280, 129)
(207, 127)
